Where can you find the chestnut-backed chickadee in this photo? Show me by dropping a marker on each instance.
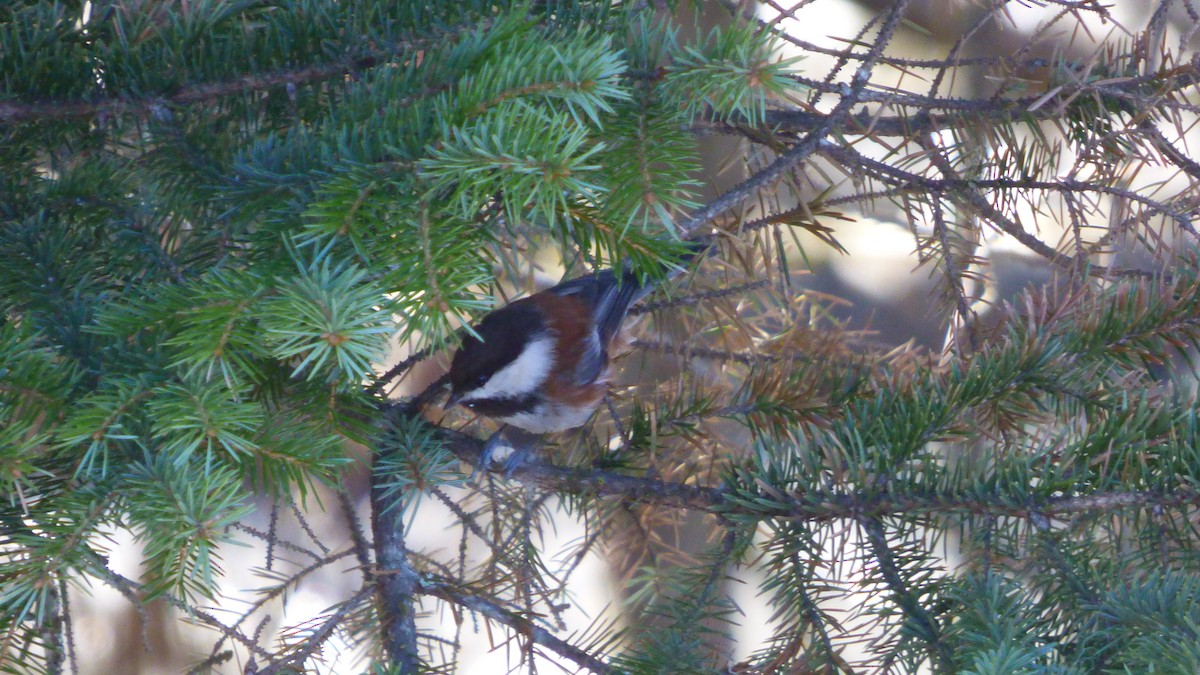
(541, 363)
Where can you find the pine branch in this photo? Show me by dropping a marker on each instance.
(396, 582)
(851, 54)
(925, 624)
(313, 642)
(285, 586)
(811, 142)
(135, 594)
(811, 508)
(523, 626)
(16, 112)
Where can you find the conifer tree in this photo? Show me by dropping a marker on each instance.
(217, 217)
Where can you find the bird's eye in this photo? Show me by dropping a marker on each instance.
(480, 381)
(470, 405)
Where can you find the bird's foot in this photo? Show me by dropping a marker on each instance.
(509, 448)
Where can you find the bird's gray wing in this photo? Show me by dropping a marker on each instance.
(591, 362)
(608, 299)
(609, 296)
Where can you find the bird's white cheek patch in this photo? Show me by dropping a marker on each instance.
(524, 376)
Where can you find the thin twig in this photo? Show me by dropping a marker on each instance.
(810, 143)
(526, 627)
(290, 661)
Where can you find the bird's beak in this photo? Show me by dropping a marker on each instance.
(455, 397)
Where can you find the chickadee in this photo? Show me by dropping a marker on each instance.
(542, 364)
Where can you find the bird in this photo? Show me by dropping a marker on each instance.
(542, 364)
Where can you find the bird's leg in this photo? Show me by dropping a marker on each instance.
(519, 444)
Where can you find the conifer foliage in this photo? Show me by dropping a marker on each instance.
(218, 217)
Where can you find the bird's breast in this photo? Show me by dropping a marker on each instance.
(546, 416)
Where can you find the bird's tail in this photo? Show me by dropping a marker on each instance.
(614, 294)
